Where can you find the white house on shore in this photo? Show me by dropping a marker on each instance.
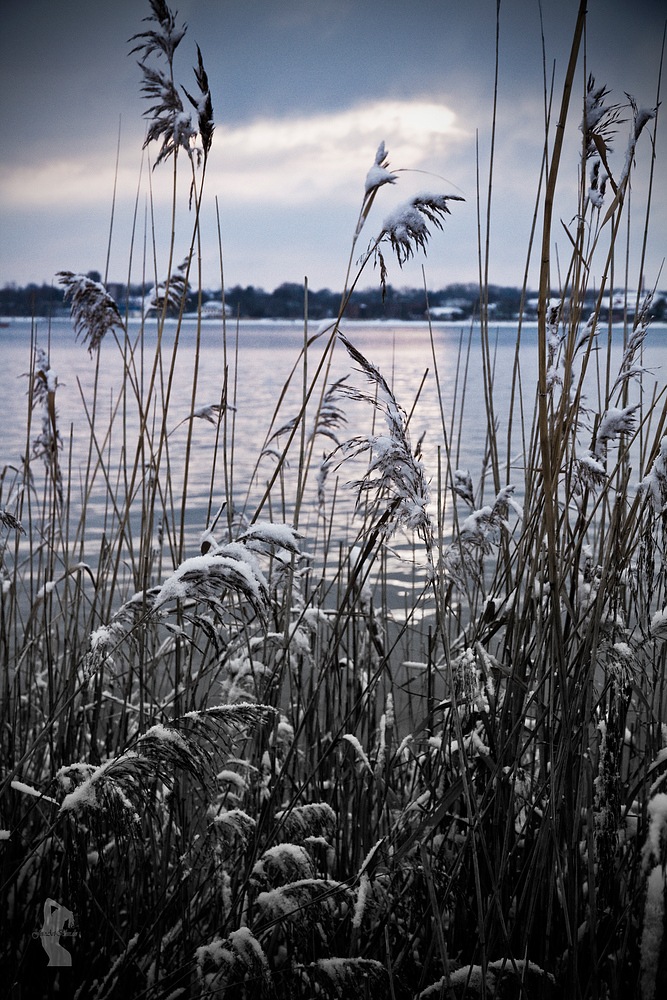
(214, 309)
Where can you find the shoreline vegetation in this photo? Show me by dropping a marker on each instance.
(233, 770)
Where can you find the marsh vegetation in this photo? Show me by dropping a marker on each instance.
(236, 766)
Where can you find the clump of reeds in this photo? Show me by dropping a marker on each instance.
(234, 765)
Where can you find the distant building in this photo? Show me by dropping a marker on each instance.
(446, 312)
(619, 302)
(214, 309)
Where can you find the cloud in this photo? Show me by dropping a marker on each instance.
(293, 161)
(61, 182)
(270, 161)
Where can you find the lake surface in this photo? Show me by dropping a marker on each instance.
(257, 370)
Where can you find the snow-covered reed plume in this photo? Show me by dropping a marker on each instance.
(233, 823)
(270, 533)
(233, 567)
(654, 484)
(379, 173)
(9, 520)
(210, 412)
(599, 119)
(169, 119)
(406, 228)
(170, 122)
(206, 579)
(313, 819)
(479, 527)
(554, 345)
(45, 379)
(48, 442)
(641, 116)
(590, 472)
(629, 368)
(598, 184)
(106, 637)
(479, 531)
(94, 312)
(502, 979)
(281, 864)
(395, 480)
(353, 978)
(304, 899)
(164, 38)
(225, 964)
(188, 744)
(463, 486)
(614, 421)
(176, 289)
(203, 105)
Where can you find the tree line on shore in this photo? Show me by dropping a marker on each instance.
(455, 301)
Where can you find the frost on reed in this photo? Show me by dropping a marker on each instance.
(406, 229)
(184, 745)
(42, 393)
(600, 120)
(355, 978)
(203, 105)
(500, 979)
(614, 422)
(170, 295)
(206, 578)
(224, 965)
(94, 312)
(379, 174)
(170, 122)
(8, 520)
(395, 481)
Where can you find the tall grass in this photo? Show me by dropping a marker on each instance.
(237, 771)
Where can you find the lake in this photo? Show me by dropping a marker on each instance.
(258, 368)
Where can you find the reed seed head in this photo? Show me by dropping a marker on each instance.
(406, 227)
(379, 173)
(203, 105)
(93, 311)
(165, 38)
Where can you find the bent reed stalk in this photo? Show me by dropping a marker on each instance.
(236, 770)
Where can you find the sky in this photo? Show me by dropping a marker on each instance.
(303, 93)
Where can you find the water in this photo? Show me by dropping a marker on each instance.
(267, 352)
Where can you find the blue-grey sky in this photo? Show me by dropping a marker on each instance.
(303, 92)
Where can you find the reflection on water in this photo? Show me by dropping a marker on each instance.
(257, 369)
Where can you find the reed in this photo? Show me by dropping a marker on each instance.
(236, 770)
